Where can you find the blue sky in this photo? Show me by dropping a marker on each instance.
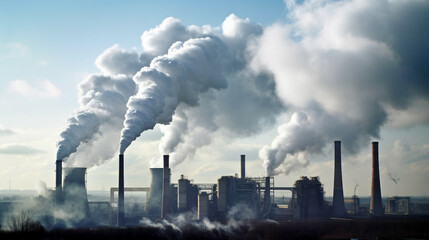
(48, 47)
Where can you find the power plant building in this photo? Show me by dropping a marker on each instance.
(309, 198)
(232, 191)
(398, 206)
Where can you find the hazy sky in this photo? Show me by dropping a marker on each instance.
(278, 81)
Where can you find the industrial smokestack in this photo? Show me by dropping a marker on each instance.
(267, 196)
(376, 206)
(243, 166)
(339, 208)
(121, 207)
(166, 200)
(58, 182)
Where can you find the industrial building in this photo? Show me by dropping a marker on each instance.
(398, 206)
(215, 201)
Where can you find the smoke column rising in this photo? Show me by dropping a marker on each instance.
(341, 66)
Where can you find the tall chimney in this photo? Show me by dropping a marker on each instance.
(243, 166)
(166, 200)
(58, 182)
(267, 195)
(376, 206)
(121, 207)
(339, 208)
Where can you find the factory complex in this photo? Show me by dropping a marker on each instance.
(253, 197)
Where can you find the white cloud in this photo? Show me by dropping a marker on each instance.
(18, 149)
(5, 131)
(43, 89)
(14, 50)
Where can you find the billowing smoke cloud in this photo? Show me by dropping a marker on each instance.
(188, 76)
(339, 70)
(93, 131)
(245, 107)
(102, 99)
(341, 67)
(189, 68)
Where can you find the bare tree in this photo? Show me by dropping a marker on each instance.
(24, 222)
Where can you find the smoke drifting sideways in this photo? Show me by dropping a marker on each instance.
(340, 67)
(246, 107)
(97, 123)
(102, 99)
(191, 80)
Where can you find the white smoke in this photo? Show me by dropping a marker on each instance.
(238, 217)
(340, 70)
(342, 66)
(189, 69)
(247, 105)
(93, 131)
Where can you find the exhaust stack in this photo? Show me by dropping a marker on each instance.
(166, 200)
(121, 206)
(243, 166)
(58, 182)
(267, 195)
(339, 208)
(376, 206)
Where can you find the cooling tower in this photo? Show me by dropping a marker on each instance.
(121, 204)
(166, 191)
(75, 197)
(243, 166)
(338, 209)
(58, 182)
(376, 207)
(155, 194)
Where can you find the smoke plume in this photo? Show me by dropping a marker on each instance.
(341, 67)
(97, 123)
(336, 70)
(188, 76)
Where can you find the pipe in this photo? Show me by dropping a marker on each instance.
(267, 197)
(339, 208)
(376, 206)
(166, 201)
(243, 166)
(121, 205)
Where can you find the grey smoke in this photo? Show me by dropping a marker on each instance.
(116, 60)
(393, 178)
(102, 99)
(246, 107)
(97, 123)
(238, 217)
(189, 69)
(341, 66)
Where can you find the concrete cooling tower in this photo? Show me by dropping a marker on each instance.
(155, 194)
(75, 206)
